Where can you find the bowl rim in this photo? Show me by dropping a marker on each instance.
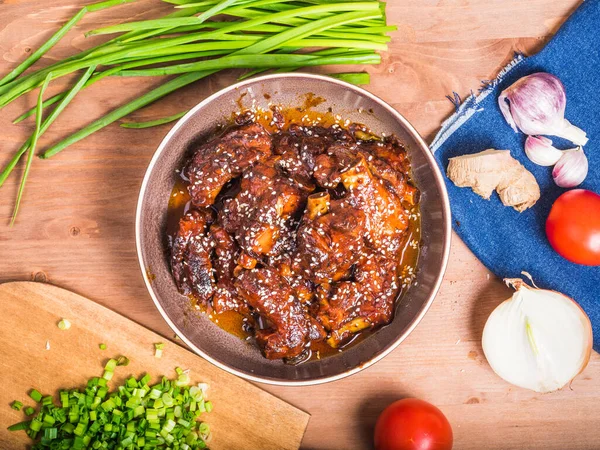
(440, 184)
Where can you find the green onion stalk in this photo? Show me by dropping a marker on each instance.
(198, 39)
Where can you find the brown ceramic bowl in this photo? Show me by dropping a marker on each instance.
(227, 351)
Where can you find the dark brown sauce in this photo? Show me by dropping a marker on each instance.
(233, 322)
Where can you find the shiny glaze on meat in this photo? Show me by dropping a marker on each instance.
(220, 160)
(311, 238)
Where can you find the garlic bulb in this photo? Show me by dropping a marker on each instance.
(571, 169)
(535, 104)
(538, 339)
(539, 149)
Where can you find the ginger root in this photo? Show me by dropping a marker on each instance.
(496, 169)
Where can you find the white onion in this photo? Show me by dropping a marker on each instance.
(538, 339)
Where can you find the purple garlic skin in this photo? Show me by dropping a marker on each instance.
(572, 168)
(535, 104)
(539, 149)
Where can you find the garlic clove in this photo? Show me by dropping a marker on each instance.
(535, 104)
(539, 149)
(538, 339)
(571, 169)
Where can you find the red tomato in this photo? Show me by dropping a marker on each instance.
(573, 227)
(412, 424)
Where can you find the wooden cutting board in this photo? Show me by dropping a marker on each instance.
(35, 353)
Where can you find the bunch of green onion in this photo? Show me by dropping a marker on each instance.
(136, 415)
(199, 39)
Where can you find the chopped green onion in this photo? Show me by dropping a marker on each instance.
(111, 365)
(123, 361)
(50, 433)
(35, 395)
(133, 416)
(183, 378)
(102, 346)
(16, 405)
(29, 410)
(20, 426)
(64, 399)
(64, 324)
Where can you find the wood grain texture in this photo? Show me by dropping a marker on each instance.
(243, 416)
(76, 227)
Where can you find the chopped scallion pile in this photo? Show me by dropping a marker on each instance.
(135, 415)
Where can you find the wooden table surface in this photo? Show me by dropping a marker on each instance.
(76, 226)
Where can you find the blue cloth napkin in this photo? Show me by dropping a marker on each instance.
(506, 241)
